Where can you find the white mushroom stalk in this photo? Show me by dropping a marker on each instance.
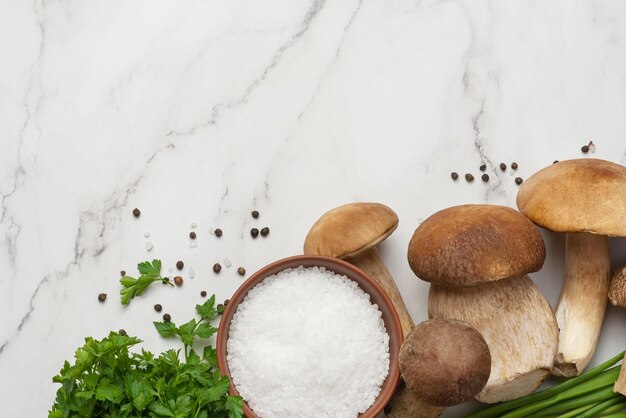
(582, 304)
(518, 325)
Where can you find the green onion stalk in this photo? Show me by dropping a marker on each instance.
(588, 395)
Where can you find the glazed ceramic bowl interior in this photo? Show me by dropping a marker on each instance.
(365, 282)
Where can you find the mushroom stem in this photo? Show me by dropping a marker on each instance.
(371, 262)
(518, 325)
(583, 300)
(406, 404)
(620, 384)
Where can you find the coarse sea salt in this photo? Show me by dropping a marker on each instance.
(307, 342)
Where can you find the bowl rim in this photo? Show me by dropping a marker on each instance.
(393, 376)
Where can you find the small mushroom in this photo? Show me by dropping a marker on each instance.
(617, 290)
(443, 362)
(351, 232)
(475, 257)
(586, 199)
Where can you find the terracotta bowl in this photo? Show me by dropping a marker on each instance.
(365, 282)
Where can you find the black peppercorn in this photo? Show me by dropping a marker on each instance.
(555, 161)
(102, 297)
(180, 265)
(167, 317)
(265, 231)
(514, 166)
(454, 175)
(483, 167)
(203, 293)
(166, 280)
(518, 180)
(217, 267)
(469, 177)
(178, 281)
(226, 302)
(220, 308)
(218, 232)
(254, 232)
(122, 332)
(585, 148)
(158, 307)
(255, 214)
(502, 166)
(192, 235)
(136, 212)
(241, 271)
(485, 177)
(122, 273)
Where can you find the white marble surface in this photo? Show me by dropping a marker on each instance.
(204, 110)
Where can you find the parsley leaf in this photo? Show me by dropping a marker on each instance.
(108, 380)
(150, 273)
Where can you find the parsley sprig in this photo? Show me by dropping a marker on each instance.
(150, 273)
(107, 380)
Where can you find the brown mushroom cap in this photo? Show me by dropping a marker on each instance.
(349, 229)
(584, 195)
(617, 291)
(470, 245)
(445, 361)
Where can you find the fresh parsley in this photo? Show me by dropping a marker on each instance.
(107, 380)
(149, 273)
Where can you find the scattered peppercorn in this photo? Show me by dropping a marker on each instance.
(255, 214)
(519, 180)
(122, 273)
(136, 212)
(218, 232)
(192, 235)
(483, 167)
(178, 281)
(514, 166)
(203, 293)
(265, 231)
(555, 161)
(241, 271)
(180, 265)
(122, 332)
(102, 297)
(226, 302)
(158, 307)
(585, 148)
(387, 409)
(469, 177)
(254, 232)
(485, 177)
(217, 267)
(454, 175)
(502, 166)
(167, 317)
(220, 308)
(166, 280)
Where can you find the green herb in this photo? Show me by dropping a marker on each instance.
(150, 273)
(584, 396)
(107, 380)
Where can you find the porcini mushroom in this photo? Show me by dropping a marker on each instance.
(351, 232)
(617, 291)
(585, 198)
(443, 362)
(476, 258)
